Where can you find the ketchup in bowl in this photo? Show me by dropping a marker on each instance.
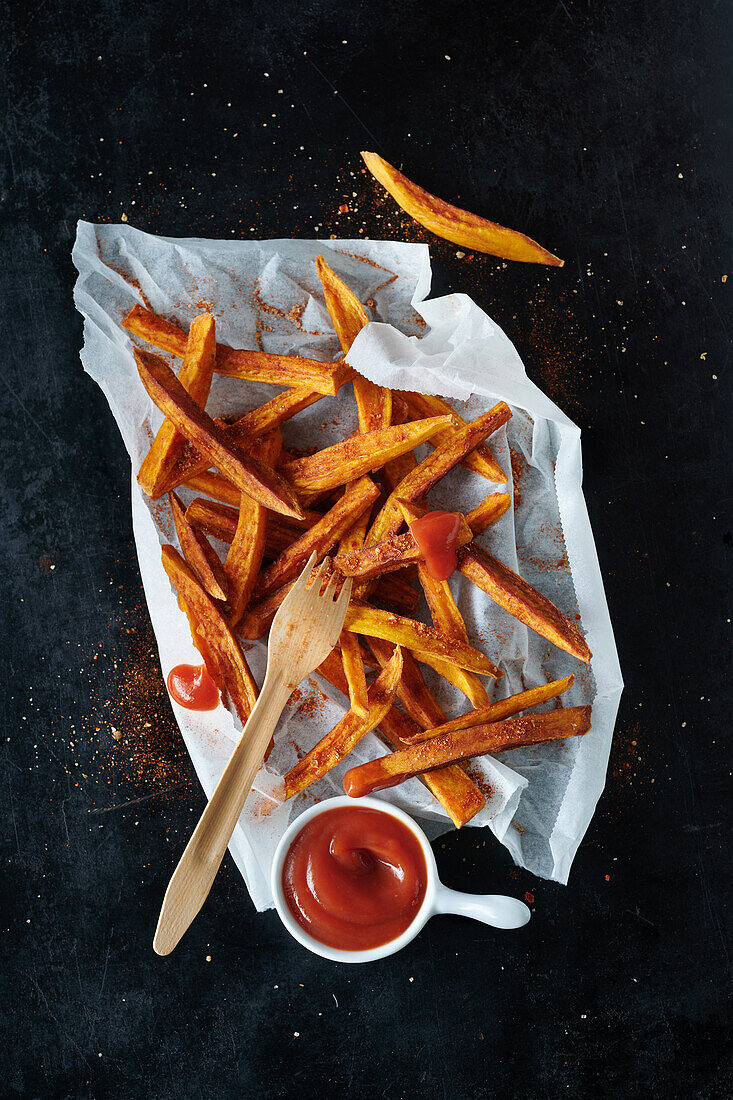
(354, 878)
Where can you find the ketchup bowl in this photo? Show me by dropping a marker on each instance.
(355, 878)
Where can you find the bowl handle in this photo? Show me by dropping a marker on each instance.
(495, 909)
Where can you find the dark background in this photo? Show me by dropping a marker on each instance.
(603, 130)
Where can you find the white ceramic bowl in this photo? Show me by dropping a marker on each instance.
(493, 909)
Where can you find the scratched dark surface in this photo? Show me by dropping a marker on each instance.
(603, 130)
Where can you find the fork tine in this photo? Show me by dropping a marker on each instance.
(302, 580)
(331, 589)
(314, 588)
(344, 594)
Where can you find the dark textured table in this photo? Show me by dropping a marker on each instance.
(603, 130)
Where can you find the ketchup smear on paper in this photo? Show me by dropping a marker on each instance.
(192, 687)
(436, 534)
(354, 878)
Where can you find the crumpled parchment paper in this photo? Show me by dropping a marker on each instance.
(267, 294)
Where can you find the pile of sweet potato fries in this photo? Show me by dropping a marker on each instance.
(352, 502)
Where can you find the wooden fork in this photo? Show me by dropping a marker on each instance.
(304, 631)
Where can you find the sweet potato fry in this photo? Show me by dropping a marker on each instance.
(480, 460)
(268, 448)
(443, 608)
(386, 556)
(361, 618)
(282, 370)
(351, 658)
(346, 311)
(202, 558)
(219, 521)
(389, 555)
(453, 224)
(282, 532)
(396, 592)
(347, 733)
(400, 411)
(254, 424)
(449, 748)
(520, 599)
(216, 486)
(233, 667)
(374, 403)
(252, 366)
(247, 548)
(487, 512)
(273, 414)
(358, 497)
(457, 794)
(358, 455)
(244, 558)
(260, 482)
(195, 376)
(353, 666)
(420, 480)
(502, 708)
(353, 538)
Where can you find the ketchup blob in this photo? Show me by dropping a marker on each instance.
(436, 534)
(354, 878)
(364, 780)
(192, 687)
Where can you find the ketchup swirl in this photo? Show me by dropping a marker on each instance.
(354, 878)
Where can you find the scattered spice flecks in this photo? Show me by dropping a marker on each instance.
(548, 532)
(473, 772)
(293, 315)
(310, 703)
(147, 752)
(129, 278)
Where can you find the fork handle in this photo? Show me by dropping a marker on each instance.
(193, 877)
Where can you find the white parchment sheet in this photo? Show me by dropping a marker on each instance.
(267, 294)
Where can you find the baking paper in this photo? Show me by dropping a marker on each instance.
(266, 294)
